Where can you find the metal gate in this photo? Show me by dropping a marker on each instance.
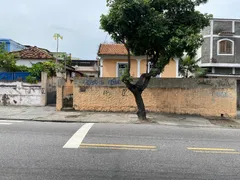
(51, 91)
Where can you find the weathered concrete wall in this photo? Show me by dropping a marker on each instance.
(206, 97)
(64, 93)
(220, 26)
(59, 101)
(19, 93)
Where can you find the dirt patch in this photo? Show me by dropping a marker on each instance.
(225, 123)
(72, 116)
(78, 115)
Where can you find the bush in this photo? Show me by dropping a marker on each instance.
(49, 67)
(31, 79)
(20, 68)
(36, 69)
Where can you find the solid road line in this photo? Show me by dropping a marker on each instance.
(76, 140)
(118, 146)
(217, 152)
(210, 149)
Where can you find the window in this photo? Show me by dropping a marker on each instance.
(225, 71)
(150, 66)
(225, 47)
(121, 69)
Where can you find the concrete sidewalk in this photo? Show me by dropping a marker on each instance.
(49, 114)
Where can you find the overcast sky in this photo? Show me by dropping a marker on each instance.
(34, 22)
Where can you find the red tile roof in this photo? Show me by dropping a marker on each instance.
(33, 53)
(112, 49)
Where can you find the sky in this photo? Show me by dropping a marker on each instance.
(34, 22)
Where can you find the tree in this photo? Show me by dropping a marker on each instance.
(7, 61)
(57, 37)
(188, 67)
(160, 29)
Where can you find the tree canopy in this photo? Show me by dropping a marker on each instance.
(7, 61)
(160, 29)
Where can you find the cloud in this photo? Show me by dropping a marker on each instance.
(34, 22)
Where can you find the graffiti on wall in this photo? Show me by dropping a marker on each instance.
(222, 94)
(124, 92)
(106, 93)
(114, 81)
(94, 82)
(101, 82)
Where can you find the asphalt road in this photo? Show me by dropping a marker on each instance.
(58, 151)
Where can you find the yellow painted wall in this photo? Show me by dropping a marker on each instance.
(180, 101)
(169, 70)
(109, 68)
(182, 96)
(110, 65)
(143, 66)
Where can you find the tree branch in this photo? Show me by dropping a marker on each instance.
(143, 82)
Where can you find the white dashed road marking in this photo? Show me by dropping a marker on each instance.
(76, 140)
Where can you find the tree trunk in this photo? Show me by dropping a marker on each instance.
(141, 113)
(137, 88)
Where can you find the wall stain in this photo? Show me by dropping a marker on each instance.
(124, 91)
(5, 100)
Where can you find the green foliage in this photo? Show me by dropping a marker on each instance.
(59, 67)
(201, 72)
(7, 61)
(31, 79)
(57, 36)
(68, 59)
(62, 57)
(163, 29)
(21, 68)
(188, 67)
(49, 67)
(36, 70)
(126, 77)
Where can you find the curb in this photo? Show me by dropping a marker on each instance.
(68, 121)
(136, 122)
(41, 120)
